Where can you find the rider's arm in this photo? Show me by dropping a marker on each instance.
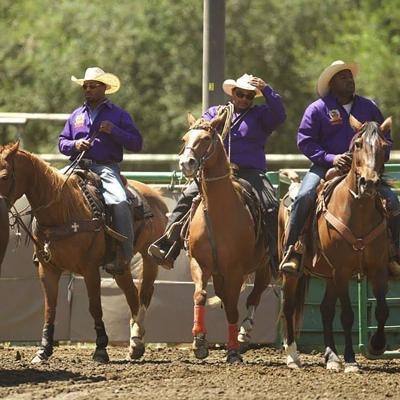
(308, 138)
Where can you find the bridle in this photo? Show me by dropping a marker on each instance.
(201, 159)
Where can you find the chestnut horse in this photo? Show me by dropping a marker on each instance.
(222, 241)
(57, 201)
(4, 229)
(349, 237)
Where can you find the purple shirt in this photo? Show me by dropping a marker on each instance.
(325, 129)
(105, 147)
(249, 136)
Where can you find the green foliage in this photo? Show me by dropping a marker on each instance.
(155, 47)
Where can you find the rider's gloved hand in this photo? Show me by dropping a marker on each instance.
(82, 144)
(342, 162)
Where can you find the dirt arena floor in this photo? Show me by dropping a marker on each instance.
(173, 373)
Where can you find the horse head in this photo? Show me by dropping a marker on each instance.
(368, 149)
(8, 182)
(199, 145)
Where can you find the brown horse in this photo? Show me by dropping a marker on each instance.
(57, 202)
(350, 237)
(4, 229)
(222, 241)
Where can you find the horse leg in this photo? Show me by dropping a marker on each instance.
(231, 296)
(261, 282)
(347, 319)
(377, 343)
(327, 309)
(290, 283)
(200, 279)
(138, 312)
(93, 285)
(49, 280)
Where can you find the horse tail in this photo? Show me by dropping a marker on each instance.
(301, 292)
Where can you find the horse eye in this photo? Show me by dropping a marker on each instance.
(4, 178)
(358, 145)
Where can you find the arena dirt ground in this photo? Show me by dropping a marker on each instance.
(174, 373)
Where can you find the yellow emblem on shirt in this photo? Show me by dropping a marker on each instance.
(79, 121)
(334, 117)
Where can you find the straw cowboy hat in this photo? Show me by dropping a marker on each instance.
(242, 83)
(97, 74)
(329, 72)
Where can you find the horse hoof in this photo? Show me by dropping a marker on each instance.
(135, 352)
(233, 357)
(200, 347)
(40, 357)
(373, 350)
(333, 366)
(351, 368)
(332, 361)
(101, 356)
(244, 347)
(294, 365)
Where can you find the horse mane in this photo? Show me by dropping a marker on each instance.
(66, 191)
(370, 132)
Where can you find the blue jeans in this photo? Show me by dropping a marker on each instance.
(307, 196)
(115, 197)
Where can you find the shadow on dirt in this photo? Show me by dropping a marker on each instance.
(30, 375)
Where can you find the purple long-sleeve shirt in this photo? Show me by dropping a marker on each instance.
(248, 137)
(105, 147)
(325, 129)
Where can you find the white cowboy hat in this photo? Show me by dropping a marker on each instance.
(97, 74)
(329, 72)
(242, 83)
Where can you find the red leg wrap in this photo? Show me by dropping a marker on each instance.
(233, 343)
(198, 324)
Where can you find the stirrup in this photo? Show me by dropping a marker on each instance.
(291, 262)
(163, 257)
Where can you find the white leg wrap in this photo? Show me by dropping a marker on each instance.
(292, 355)
(137, 324)
(247, 325)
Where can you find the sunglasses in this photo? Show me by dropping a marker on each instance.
(91, 85)
(240, 95)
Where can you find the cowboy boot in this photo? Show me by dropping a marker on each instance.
(166, 249)
(118, 265)
(122, 223)
(291, 262)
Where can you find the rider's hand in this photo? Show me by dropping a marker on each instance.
(106, 127)
(258, 83)
(82, 144)
(342, 161)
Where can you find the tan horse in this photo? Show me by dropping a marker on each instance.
(351, 237)
(222, 241)
(56, 202)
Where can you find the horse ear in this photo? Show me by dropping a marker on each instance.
(386, 125)
(190, 119)
(11, 149)
(355, 123)
(219, 119)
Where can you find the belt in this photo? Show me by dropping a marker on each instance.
(86, 162)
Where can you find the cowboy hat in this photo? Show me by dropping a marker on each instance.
(97, 74)
(329, 72)
(242, 83)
